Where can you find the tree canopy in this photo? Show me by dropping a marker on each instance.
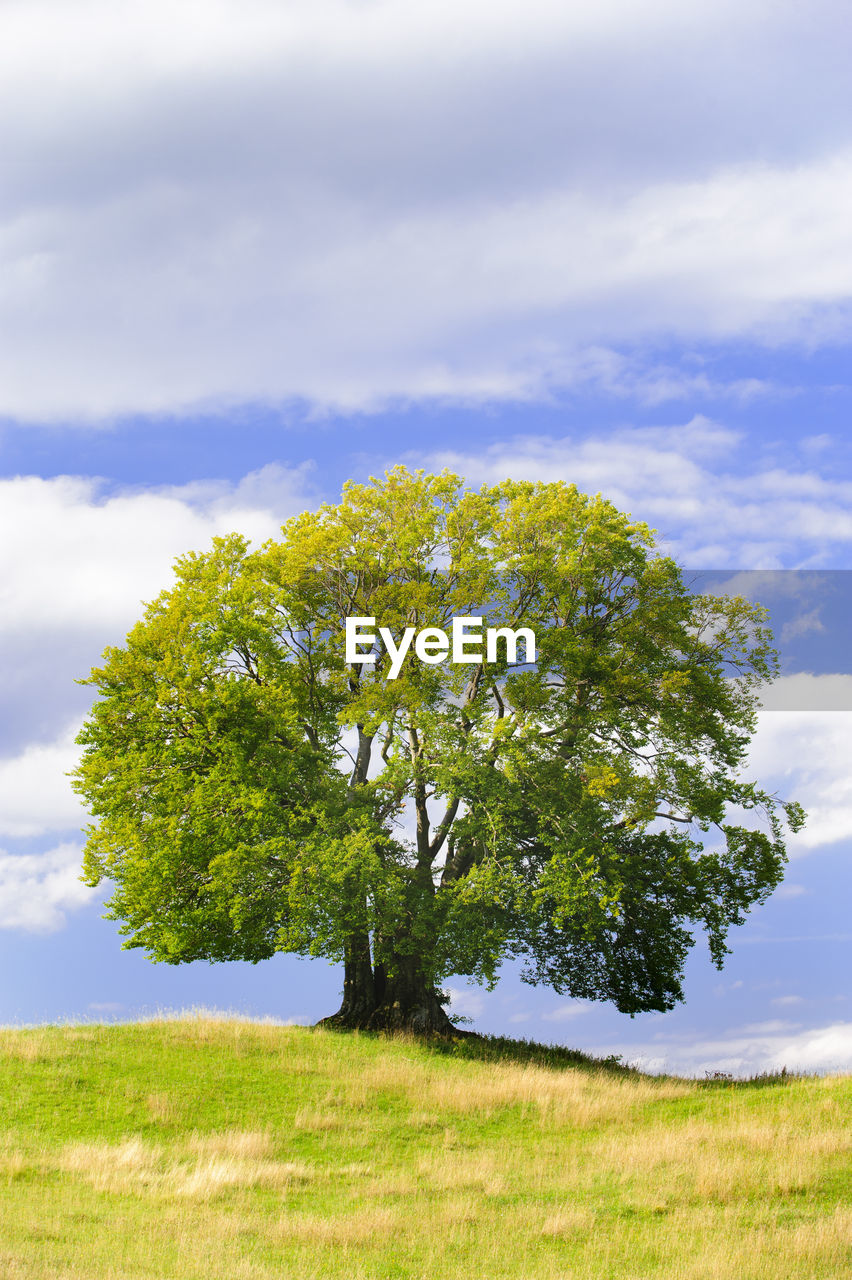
(254, 792)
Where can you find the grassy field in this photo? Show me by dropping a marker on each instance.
(209, 1147)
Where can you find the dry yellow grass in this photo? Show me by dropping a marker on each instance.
(574, 1098)
(204, 1167)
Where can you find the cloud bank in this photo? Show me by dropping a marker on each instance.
(768, 1046)
(357, 200)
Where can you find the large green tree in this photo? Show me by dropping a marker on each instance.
(254, 792)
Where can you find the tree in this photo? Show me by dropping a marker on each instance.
(253, 791)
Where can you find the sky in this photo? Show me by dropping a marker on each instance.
(249, 251)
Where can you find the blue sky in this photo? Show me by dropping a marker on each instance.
(251, 251)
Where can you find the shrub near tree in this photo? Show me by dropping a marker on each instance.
(254, 792)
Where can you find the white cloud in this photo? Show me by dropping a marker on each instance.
(768, 1046)
(76, 562)
(75, 565)
(76, 559)
(35, 794)
(806, 754)
(36, 890)
(350, 201)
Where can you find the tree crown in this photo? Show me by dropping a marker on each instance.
(254, 791)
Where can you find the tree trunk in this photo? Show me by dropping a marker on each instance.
(407, 1002)
(359, 988)
(376, 1001)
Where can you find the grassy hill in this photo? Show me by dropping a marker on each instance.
(209, 1147)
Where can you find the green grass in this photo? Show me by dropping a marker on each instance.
(212, 1147)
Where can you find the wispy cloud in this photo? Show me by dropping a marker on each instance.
(567, 1012)
(710, 502)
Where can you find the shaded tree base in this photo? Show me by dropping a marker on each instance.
(374, 1000)
(424, 1017)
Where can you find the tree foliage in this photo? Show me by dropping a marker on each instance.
(252, 792)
